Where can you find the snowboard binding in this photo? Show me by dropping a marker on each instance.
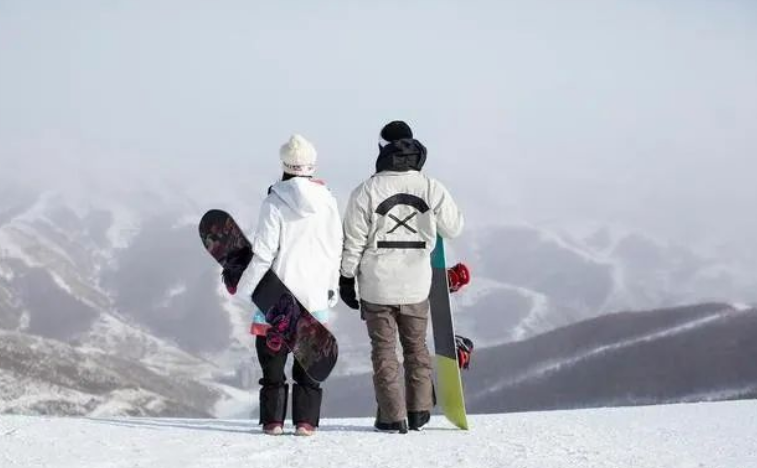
(274, 341)
(464, 351)
(458, 276)
(283, 323)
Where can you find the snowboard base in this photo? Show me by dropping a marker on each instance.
(449, 380)
(312, 345)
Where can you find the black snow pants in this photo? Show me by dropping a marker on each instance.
(274, 392)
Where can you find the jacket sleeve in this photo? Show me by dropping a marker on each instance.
(449, 219)
(337, 239)
(356, 229)
(265, 245)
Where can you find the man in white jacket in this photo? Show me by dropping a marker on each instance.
(390, 229)
(299, 237)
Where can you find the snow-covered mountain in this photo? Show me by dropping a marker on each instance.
(117, 273)
(43, 376)
(676, 436)
(683, 354)
(693, 353)
(80, 283)
(529, 280)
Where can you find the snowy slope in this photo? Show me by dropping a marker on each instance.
(58, 255)
(711, 435)
(41, 376)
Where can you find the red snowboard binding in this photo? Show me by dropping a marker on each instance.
(464, 351)
(283, 323)
(458, 276)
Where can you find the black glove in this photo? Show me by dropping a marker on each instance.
(347, 292)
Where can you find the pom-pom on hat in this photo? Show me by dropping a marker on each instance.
(298, 156)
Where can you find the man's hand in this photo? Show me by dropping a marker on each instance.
(347, 292)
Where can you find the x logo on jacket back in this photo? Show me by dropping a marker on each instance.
(403, 223)
(410, 200)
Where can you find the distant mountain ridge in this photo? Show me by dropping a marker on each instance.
(692, 353)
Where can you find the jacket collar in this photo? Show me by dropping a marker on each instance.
(396, 173)
(401, 155)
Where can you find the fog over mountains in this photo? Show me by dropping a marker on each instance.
(120, 310)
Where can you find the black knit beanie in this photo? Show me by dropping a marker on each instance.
(393, 131)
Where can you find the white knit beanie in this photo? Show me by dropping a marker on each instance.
(298, 156)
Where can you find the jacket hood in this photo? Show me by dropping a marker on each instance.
(407, 154)
(300, 194)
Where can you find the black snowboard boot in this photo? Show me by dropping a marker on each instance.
(306, 404)
(391, 427)
(417, 419)
(273, 404)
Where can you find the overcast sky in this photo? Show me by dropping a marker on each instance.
(636, 112)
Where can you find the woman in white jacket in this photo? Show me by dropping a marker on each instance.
(299, 237)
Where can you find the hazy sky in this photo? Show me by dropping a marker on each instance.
(636, 112)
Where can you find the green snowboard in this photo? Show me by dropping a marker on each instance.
(449, 382)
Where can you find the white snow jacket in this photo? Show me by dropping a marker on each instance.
(299, 237)
(390, 229)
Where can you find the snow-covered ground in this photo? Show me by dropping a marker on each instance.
(704, 435)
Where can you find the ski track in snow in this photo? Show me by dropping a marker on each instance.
(466, 301)
(559, 364)
(703, 435)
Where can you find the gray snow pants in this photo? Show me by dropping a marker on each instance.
(384, 322)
